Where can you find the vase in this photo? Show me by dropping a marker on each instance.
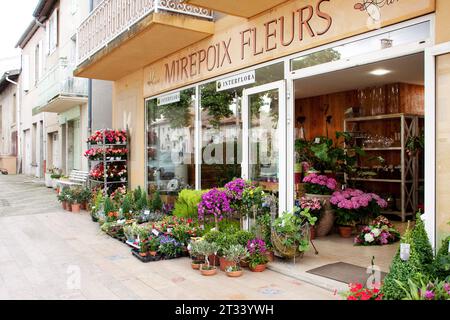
(258, 268)
(326, 221)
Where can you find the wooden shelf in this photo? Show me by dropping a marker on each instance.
(383, 117)
(383, 149)
(380, 180)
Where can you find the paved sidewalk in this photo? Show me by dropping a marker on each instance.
(48, 253)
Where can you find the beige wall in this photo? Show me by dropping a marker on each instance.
(442, 21)
(443, 147)
(8, 125)
(128, 111)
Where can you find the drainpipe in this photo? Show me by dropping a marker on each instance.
(18, 122)
(91, 7)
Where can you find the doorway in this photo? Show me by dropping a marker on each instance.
(264, 139)
(380, 107)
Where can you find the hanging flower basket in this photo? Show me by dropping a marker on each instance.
(288, 252)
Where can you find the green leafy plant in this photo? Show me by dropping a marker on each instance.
(401, 271)
(346, 218)
(187, 203)
(243, 237)
(292, 228)
(127, 206)
(421, 242)
(224, 241)
(264, 224)
(142, 202)
(441, 264)
(153, 243)
(157, 202)
(206, 249)
(108, 205)
(421, 287)
(235, 253)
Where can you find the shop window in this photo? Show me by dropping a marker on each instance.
(170, 143)
(221, 127)
(412, 34)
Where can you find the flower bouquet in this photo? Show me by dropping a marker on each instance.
(380, 232)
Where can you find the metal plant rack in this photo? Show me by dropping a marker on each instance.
(409, 181)
(108, 162)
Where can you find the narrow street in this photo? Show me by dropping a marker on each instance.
(48, 253)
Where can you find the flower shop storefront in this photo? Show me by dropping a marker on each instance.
(325, 105)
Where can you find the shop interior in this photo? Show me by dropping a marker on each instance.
(381, 105)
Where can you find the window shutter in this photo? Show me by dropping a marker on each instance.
(25, 72)
(55, 28)
(47, 36)
(41, 60)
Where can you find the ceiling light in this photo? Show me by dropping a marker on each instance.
(380, 72)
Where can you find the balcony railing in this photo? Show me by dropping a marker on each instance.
(113, 17)
(59, 81)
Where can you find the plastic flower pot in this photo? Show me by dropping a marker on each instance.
(224, 263)
(345, 231)
(205, 271)
(76, 207)
(258, 268)
(235, 274)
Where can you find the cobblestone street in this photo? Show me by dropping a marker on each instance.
(48, 253)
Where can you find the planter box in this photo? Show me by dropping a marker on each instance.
(147, 258)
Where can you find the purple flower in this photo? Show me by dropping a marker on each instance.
(447, 288)
(256, 246)
(214, 203)
(234, 189)
(429, 295)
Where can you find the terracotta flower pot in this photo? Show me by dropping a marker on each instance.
(208, 272)
(143, 254)
(270, 256)
(258, 268)
(235, 274)
(345, 231)
(76, 207)
(214, 260)
(224, 263)
(153, 253)
(64, 205)
(244, 263)
(84, 206)
(326, 221)
(196, 265)
(312, 232)
(69, 207)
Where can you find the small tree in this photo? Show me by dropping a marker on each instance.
(157, 203)
(207, 249)
(127, 206)
(422, 242)
(401, 271)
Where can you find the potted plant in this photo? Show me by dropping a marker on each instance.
(321, 187)
(353, 206)
(85, 198)
(153, 245)
(206, 249)
(235, 253)
(290, 232)
(196, 256)
(143, 247)
(215, 205)
(62, 197)
(257, 259)
(169, 247)
(314, 205)
(77, 198)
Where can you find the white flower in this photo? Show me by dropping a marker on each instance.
(369, 238)
(376, 232)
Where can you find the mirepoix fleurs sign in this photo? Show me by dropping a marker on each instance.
(289, 28)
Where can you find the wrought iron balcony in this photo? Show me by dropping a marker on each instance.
(111, 18)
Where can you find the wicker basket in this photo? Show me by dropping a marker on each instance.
(288, 252)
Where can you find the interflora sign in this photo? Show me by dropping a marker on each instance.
(289, 28)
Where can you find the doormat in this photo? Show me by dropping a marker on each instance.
(344, 272)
